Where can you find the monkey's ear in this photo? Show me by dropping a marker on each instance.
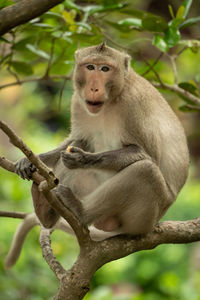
(127, 60)
(77, 52)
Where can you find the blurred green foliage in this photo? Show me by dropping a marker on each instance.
(39, 111)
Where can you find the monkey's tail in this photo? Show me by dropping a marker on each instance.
(28, 223)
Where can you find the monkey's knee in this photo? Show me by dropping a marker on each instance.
(45, 213)
(140, 219)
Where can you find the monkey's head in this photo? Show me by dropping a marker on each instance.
(99, 75)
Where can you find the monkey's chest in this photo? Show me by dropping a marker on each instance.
(106, 140)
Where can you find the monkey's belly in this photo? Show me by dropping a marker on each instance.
(82, 181)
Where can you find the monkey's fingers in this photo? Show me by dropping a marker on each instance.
(72, 149)
(24, 169)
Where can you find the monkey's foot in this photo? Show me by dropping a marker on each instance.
(67, 198)
(157, 229)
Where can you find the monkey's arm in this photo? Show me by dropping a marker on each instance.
(24, 168)
(113, 160)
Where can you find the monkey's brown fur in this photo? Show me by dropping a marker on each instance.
(129, 156)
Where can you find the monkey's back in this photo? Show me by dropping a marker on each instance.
(151, 123)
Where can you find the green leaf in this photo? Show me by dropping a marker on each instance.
(121, 28)
(71, 5)
(2, 39)
(160, 43)
(131, 22)
(189, 22)
(92, 9)
(5, 3)
(21, 44)
(186, 108)
(22, 67)
(186, 4)
(37, 51)
(172, 36)
(154, 24)
(190, 87)
(180, 12)
(171, 11)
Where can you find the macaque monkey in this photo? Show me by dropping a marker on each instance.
(126, 158)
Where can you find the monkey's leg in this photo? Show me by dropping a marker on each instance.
(135, 198)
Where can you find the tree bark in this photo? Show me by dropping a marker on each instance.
(22, 12)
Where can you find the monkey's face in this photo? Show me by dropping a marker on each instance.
(97, 83)
(94, 80)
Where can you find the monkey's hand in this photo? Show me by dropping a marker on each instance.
(24, 168)
(75, 157)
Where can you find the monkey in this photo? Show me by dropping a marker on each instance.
(126, 158)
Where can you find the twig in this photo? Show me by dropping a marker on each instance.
(176, 89)
(48, 255)
(19, 82)
(153, 65)
(174, 66)
(10, 214)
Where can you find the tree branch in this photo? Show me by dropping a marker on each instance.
(45, 187)
(48, 255)
(176, 89)
(10, 214)
(22, 12)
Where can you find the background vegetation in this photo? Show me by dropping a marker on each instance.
(36, 62)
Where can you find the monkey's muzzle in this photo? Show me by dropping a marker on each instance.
(94, 106)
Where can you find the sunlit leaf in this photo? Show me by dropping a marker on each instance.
(37, 51)
(160, 43)
(71, 5)
(91, 9)
(171, 11)
(180, 12)
(68, 17)
(172, 36)
(131, 22)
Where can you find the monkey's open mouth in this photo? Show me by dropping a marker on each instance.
(94, 103)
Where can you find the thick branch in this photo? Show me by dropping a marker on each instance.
(168, 232)
(22, 12)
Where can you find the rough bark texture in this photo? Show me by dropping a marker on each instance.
(22, 12)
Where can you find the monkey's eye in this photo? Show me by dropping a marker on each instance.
(90, 67)
(105, 68)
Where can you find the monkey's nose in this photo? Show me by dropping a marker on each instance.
(94, 90)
